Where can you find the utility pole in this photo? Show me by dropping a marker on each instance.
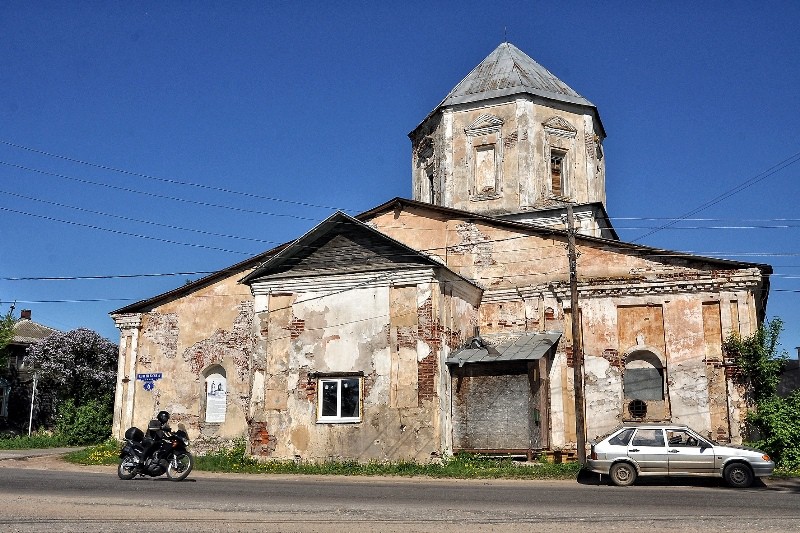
(577, 348)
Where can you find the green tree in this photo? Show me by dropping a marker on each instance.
(7, 322)
(774, 421)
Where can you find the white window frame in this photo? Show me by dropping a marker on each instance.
(338, 418)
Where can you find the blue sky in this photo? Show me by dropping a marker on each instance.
(183, 137)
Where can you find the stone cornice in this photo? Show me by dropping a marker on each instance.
(691, 283)
(127, 321)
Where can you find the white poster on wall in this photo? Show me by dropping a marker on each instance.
(216, 391)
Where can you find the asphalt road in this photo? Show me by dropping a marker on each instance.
(94, 499)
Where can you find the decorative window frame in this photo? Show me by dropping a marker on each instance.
(485, 133)
(560, 138)
(340, 380)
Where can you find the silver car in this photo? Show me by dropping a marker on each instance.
(674, 450)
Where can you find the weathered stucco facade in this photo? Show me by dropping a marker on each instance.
(426, 326)
(180, 336)
(637, 304)
(510, 138)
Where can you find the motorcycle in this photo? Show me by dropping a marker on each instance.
(154, 455)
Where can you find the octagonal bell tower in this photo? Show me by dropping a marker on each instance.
(514, 141)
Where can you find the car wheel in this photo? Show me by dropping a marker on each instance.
(622, 474)
(738, 475)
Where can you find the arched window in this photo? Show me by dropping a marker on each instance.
(644, 377)
(216, 394)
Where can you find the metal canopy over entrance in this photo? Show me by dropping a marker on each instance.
(525, 347)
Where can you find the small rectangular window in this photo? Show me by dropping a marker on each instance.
(557, 173)
(339, 399)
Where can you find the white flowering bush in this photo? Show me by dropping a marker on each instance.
(78, 369)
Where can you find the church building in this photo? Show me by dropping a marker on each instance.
(443, 323)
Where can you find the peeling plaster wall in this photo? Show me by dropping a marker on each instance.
(393, 336)
(522, 136)
(180, 339)
(526, 282)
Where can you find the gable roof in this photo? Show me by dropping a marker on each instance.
(508, 71)
(343, 244)
(262, 260)
(399, 203)
(29, 332)
(149, 303)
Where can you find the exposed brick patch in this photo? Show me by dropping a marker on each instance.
(733, 370)
(296, 327)
(614, 358)
(236, 344)
(570, 358)
(306, 386)
(511, 140)
(426, 378)
(407, 337)
(432, 333)
(505, 323)
(162, 330)
(261, 442)
(475, 242)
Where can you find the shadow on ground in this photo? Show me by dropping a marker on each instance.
(791, 484)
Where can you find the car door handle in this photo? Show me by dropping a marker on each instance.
(673, 451)
(635, 449)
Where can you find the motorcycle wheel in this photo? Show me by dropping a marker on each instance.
(126, 469)
(180, 464)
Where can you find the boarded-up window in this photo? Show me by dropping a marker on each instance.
(485, 169)
(557, 173)
(644, 377)
(494, 408)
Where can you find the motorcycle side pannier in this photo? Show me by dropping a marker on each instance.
(134, 434)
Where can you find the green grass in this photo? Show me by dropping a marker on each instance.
(36, 440)
(781, 472)
(462, 466)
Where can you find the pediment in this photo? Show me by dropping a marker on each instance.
(340, 244)
(485, 121)
(558, 123)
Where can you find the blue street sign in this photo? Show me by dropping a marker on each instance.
(149, 377)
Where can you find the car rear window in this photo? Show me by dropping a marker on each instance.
(622, 438)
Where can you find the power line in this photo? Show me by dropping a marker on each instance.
(164, 180)
(155, 195)
(724, 196)
(119, 232)
(129, 219)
